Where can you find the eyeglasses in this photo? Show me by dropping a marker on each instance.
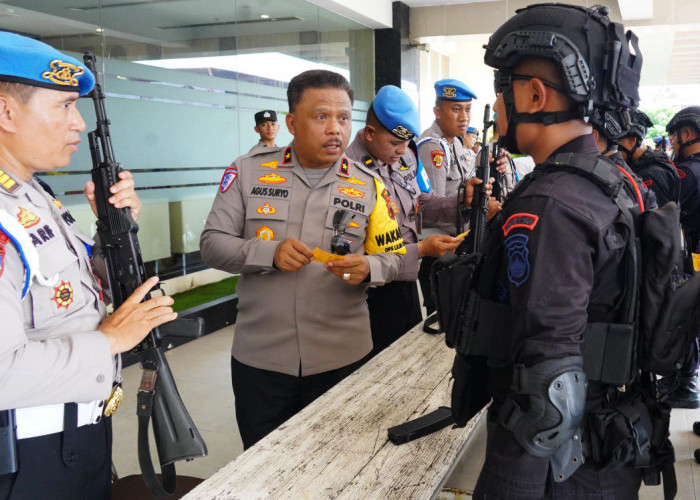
(503, 80)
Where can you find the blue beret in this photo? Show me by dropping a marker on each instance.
(396, 111)
(473, 130)
(453, 90)
(31, 62)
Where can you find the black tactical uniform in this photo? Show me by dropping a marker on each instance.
(556, 261)
(658, 174)
(555, 254)
(689, 171)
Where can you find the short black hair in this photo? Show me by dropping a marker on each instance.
(316, 79)
(20, 91)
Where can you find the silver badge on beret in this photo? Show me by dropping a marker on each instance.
(267, 114)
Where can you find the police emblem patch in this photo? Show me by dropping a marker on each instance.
(449, 92)
(63, 73)
(272, 179)
(522, 220)
(265, 233)
(402, 132)
(63, 295)
(518, 264)
(27, 218)
(227, 179)
(351, 192)
(438, 157)
(266, 209)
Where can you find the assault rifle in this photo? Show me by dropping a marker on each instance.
(450, 278)
(175, 434)
(480, 200)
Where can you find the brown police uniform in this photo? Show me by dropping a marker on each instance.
(306, 318)
(445, 169)
(55, 368)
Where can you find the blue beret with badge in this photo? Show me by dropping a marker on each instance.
(31, 62)
(450, 89)
(396, 111)
(473, 130)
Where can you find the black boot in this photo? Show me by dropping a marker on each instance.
(686, 395)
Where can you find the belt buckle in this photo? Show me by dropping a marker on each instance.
(114, 400)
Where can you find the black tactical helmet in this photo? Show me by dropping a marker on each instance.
(591, 53)
(687, 116)
(612, 123)
(640, 124)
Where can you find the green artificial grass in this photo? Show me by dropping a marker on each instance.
(205, 293)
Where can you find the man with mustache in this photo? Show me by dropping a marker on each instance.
(302, 320)
(58, 349)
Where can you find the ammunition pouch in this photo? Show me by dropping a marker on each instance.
(632, 430)
(608, 353)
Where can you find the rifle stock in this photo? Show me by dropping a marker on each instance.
(176, 435)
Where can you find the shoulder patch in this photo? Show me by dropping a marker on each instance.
(518, 262)
(523, 220)
(227, 179)
(7, 183)
(287, 156)
(438, 157)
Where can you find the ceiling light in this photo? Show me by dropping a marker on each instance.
(264, 16)
(99, 30)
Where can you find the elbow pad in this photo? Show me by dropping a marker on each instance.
(545, 409)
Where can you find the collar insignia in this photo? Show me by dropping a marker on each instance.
(344, 166)
(287, 156)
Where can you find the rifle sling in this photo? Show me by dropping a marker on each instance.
(144, 410)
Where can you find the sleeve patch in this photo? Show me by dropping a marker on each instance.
(518, 263)
(227, 179)
(523, 220)
(438, 157)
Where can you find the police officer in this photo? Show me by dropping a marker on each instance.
(655, 169)
(551, 265)
(267, 127)
(383, 146)
(445, 160)
(684, 133)
(58, 347)
(470, 140)
(302, 324)
(608, 127)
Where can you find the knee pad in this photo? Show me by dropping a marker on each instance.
(547, 404)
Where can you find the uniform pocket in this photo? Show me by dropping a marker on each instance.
(66, 295)
(266, 219)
